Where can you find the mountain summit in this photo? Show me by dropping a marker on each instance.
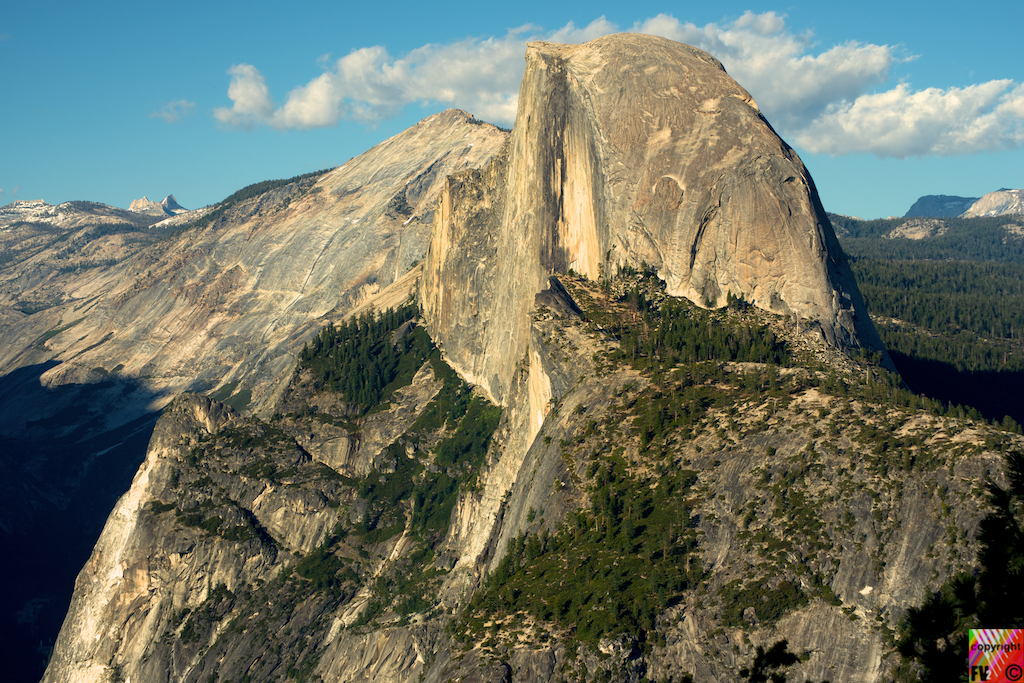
(171, 205)
(168, 207)
(632, 150)
(997, 203)
(939, 206)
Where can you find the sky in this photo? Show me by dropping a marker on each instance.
(110, 101)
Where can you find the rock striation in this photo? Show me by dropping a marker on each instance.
(631, 150)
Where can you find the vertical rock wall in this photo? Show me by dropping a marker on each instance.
(627, 150)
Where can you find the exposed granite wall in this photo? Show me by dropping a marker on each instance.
(631, 149)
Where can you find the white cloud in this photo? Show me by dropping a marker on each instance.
(987, 117)
(369, 85)
(570, 34)
(822, 99)
(314, 105)
(790, 85)
(250, 97)
(174, 111)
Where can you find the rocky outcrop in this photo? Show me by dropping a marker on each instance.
(221, 506)
(631, 150)
(918, 229)
(171, 205)
(997, 203)
(156, 562)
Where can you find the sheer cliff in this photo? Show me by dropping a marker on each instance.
(632, 149)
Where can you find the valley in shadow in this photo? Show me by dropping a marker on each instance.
(992, 393)
(67, 454)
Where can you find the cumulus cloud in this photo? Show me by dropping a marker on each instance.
(174, 111)
(250, 98)
(791, 85)
(823, 99)
(369, 85)
(900, 122)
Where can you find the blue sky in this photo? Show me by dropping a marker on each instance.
(111, 101)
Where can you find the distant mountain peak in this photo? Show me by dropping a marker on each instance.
(939, 206)
(997, 203)
(168, 207)
(171, 204)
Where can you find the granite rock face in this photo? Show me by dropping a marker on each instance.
(628, 150)
(147, 568)
(603, 134)
(230, 302)
(784, 490)
(103, 320)
(997, 203)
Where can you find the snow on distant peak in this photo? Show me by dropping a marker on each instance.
(997, 203)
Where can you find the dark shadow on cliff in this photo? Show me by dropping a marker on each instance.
(934, 638)
(66, 453)
(994, 394)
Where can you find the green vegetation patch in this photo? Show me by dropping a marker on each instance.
(656, 331)
(609, 570)
(953, 329)
(325, 571)
(769, 604)
(369, 357)
(200, 621)
(47, 336)
(974, 239)
(985, 299)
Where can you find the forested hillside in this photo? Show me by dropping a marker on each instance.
(948, 302)
(959, 239)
